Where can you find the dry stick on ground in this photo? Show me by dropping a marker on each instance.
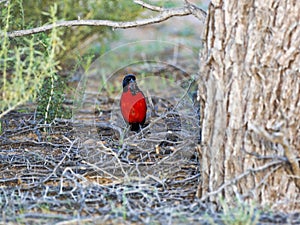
(276, 163)
(163, 15)
(280, 139)
(62, 160)
(96, 168)
(91, 124)
(11, 108)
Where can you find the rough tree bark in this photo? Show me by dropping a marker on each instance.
(250, 96)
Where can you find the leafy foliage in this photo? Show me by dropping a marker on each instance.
(24, 62)
(30, 15)
(51, 98)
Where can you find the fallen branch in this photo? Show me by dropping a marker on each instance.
(62, 160)
(279, 138)
(276, 164)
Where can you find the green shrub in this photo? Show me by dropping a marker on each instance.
(29, 14)
(25, 62)
(51, 98)
(242, 214)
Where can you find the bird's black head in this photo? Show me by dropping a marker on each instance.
(128, 79)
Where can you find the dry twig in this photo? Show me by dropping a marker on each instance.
(62, 160)
(279, 138)
(149, 6)
(277, 164)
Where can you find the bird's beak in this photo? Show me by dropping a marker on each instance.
(131, 83)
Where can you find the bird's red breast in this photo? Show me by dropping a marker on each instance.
(133, 107)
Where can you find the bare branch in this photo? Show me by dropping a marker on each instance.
(278, 137)
(148, 6)
(196, 11)
(277, 164)
(164, 15)
(62, 160)
(11, 108)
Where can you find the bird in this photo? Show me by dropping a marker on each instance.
(133, 103)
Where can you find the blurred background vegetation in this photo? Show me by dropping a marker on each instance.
(29, 14)
(28, 62)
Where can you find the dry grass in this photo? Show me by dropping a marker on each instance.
(55, 176)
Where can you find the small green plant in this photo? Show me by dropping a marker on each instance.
(44, 207)
(242, 214)
(51, 98)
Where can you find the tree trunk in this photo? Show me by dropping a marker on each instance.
(250, 94)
